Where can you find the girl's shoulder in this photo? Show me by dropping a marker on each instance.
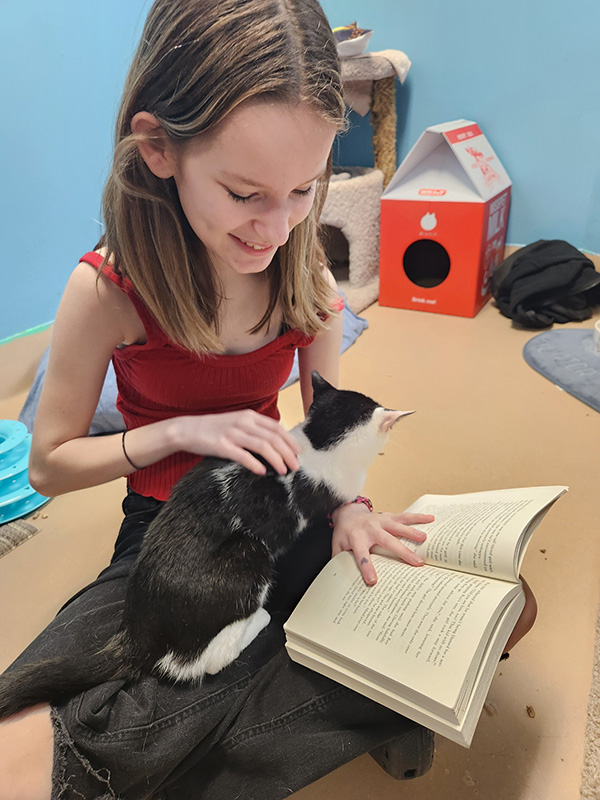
(103, 292)
(95, 259)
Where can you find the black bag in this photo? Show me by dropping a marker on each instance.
(546, 282)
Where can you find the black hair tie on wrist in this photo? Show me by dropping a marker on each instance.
(125, 452)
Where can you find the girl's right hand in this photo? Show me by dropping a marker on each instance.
(236, 435)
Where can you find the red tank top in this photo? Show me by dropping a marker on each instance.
(159, 380)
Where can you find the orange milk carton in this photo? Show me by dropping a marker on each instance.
(443, 222)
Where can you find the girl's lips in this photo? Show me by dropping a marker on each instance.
(252, 250)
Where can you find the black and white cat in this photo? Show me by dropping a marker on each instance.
(196, 593)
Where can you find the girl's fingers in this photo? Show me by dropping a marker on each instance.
(406, 554)
(392, 542)
(385, 530)
(246, 459)
(365, 565)
(277, 454)
(255, 433)
(279, 432)
(404, 532)
(363, 559)
(400, 525)
(408, 518)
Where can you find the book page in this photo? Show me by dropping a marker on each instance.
(484, 533)
(421, 627)
(459, 727)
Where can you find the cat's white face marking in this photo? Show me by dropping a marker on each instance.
(343, 467)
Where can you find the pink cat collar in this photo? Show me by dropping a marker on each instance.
(358, 499)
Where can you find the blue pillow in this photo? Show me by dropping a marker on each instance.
(106, 419)
(353, 327)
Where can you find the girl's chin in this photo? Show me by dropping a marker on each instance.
(235, 262)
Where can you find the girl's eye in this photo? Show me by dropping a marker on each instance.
(239, 198)
(304, 192)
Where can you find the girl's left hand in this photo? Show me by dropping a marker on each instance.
(358, 529)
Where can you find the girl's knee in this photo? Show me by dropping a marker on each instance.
(26, 755)
(529, 613)
(527, 618)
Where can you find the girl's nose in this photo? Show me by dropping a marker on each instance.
(273, 227)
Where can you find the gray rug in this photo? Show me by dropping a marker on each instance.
(590, 776)
(567, 359)
(15, 533)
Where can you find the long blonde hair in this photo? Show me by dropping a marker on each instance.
(197, 61)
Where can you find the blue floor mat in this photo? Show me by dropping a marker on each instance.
(567, 359)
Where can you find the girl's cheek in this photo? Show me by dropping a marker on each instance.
(303, 212)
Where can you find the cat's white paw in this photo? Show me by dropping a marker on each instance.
(220, 651)
(259, 620)
(229, 643)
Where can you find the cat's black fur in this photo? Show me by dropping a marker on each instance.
(207, 558)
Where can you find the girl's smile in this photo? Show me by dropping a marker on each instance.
(252, 247)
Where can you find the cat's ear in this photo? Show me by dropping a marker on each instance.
(389, 418)
(319, 384)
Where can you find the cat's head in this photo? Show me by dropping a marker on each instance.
(338, 414)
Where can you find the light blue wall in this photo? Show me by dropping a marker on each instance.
(62, 67)
(527, 72)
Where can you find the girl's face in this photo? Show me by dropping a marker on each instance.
(244, 189)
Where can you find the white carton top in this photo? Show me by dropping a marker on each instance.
(450, 162)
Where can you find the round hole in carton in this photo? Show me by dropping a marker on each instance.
(426, 263)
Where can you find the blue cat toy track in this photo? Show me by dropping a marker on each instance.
(17, 497)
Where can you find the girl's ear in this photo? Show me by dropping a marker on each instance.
(153, 144)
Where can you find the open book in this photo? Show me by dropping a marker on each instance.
(426, 641)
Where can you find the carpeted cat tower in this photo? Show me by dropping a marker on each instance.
(351, 211)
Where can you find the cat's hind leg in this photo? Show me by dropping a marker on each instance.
(221, 651)
(229, 643)
(222, 607)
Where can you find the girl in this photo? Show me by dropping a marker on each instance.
(208, 278)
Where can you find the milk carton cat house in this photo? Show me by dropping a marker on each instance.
(443, 222)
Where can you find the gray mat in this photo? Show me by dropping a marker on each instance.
(15, 533)
(566, 358)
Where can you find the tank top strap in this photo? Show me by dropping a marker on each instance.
(154, 333)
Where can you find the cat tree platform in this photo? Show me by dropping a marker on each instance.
(353, 200)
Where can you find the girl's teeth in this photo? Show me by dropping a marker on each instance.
(255, 246)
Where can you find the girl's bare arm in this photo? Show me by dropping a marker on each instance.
(91, 321)
(323, 354)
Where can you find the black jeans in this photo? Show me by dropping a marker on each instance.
(259, 730)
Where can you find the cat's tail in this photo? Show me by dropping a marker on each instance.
(57, 679)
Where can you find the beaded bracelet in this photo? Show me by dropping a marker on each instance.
(358, 499)
(125, 451)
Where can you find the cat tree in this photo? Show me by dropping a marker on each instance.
(353, 200)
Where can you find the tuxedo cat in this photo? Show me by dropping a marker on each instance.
(195, 595)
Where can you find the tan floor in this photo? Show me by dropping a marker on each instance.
(485, 420)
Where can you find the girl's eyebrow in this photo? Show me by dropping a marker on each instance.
(257, 184)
